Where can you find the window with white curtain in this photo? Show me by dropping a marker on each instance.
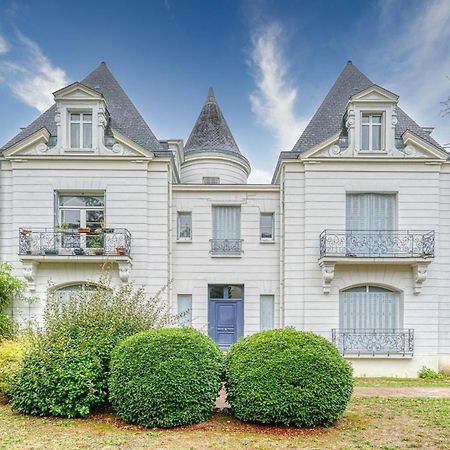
(184, 226)
(266, 226)
(226, 222)
(80, 130)
(267, 312)
(369, 308)
(184, 310)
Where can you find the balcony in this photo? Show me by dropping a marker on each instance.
(226, 247)
(377, 244)
(370, 342)
(74, 245)
(414, 248)
(50, 242)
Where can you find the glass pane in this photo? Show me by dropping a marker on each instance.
(82, 200)
(75, 117)
(184, 225)
(87, 117)
(266, 225)
(376, 137)
(185, 310)
(234, 292)
(216, 292)
(266, 312)
(75, 135)
(376, 119)
(71, 217)
(365, 119)
(87, 135)
(365, 138)
(94, 219)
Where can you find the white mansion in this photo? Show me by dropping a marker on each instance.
(351, 240)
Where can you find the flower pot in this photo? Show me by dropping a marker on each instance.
(108, 230)
(99, 251)
(84, 230)
(120, 251)
(51, 252)
(78, 251)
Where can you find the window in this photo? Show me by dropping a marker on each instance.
(81, 211)
(184, 226)
(226, 230)
(211, 180)
(370, 224)
(184, 311)
(369, 308)
(73, 291)
(266, 225)
(80, 130)
(266, 312)
(371, 132)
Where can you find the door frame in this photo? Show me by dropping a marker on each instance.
(239, 309)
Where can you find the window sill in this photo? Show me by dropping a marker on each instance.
(79, 150)
(372, 152)
(267, 241)
(225, 256)
(184, 241)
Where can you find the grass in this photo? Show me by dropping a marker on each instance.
(443, 381)
(381, 423)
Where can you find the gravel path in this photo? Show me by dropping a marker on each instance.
(427, 392)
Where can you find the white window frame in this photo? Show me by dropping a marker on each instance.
(267, 239)
(370, 126)
(179, 237)
(81, 122)
(83, 210)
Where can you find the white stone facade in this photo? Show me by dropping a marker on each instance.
(144, 191)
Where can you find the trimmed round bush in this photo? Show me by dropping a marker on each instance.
(287, 377)
(165, 377)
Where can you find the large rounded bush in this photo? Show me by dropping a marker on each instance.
(165, 377)
(287, 377)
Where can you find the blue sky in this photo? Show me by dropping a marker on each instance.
(270, 62)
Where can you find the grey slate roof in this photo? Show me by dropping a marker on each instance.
(211, 132)
(124, 117)
(329, 118)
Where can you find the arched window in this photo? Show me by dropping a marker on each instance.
(369, 307)
(70, 291)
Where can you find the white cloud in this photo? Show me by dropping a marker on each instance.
(418, 57)
(4, 46)
(260, 176)
(30, 75)
(273, 100)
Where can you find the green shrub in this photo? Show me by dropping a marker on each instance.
(10, 286)
(66, 371)
(430, 374)
(287, 377)
(6, 327)
(11, 356)
(166, 377)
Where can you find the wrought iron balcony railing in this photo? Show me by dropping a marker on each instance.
(79, 242)
(226, 246)
(384, 244)
(374, 342)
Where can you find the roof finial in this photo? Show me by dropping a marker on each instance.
(349, 61)
(210, 97)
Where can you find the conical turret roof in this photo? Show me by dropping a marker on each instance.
(211, 132)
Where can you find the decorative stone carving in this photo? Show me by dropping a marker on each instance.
(420, 272)
(334, 150)
(117, 148)
(394, 119)
(327, 275)
(41, 148)
(29, 273)
(124, 270)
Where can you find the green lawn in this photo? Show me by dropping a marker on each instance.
(443, 381)
(368, 423)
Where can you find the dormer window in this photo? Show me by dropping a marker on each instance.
(372, 132)
(81, 130)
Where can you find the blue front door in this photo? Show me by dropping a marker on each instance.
(225, 314)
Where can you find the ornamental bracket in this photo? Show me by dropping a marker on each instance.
(327, 275)
(124, 270)
(420, 272)
(29, 273)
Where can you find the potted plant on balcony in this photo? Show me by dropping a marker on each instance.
(84, 230)
(120, 250)
(25, 236)
(95, 242)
